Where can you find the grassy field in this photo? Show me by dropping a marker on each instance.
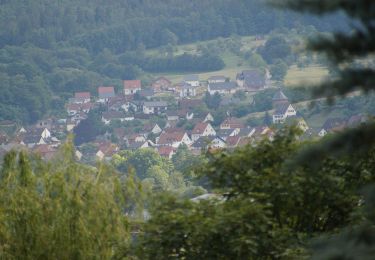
(235, 64)
(306, 76)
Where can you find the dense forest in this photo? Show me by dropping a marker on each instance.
(51, 48)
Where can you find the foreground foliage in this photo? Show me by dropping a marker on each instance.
(62, 210)
(263, 208)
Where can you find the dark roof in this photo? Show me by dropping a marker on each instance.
(356, 120)
(223, 85)
(333, 123)
(252, 79)
(225, 132)
(169, 138)
(146, 93)
(245, 131)
(204, 141)
(32, 139)
(135, 145)
(281, 109)
(166, 150)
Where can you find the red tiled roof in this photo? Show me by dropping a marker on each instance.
(163, 78)
(132, 84)
(103, 90)
(199, 128)
(169, 138)
(244, 141)
(82, 95)
(86, 106)
(73, 106)
(165, 150)
(232, 140)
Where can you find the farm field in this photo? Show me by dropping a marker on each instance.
(306, 76)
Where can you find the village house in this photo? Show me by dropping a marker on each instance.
(155, 107)
(174, 139)
(152, 128)
(192, 80)
(146, 94)
(246, 132)
(42, 132)
(208, 118)
(185, 114)
(208, 142)
(224, 88)
(251, 80)
(172, 115)
(279, 99)
(135, 138)
(282, 111)
(118, 103)
(70, 125)
(36, 136)
(202, 129)
(225, 133)
(77, 118)
(298, 121)
(217, 79)
(233, 141)
(131, 87)
(263, 132)
(357, 120)
(81, 98)
(108, 117)
(232, 123)
(32, 140)
(106, 150)
(161, 84)
(135, 105)
(137, 145)
(75, 108)
(187, 90)
(105, 93)
(332, 125)
(166, 151)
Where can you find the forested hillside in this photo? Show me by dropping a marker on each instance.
(49, 48)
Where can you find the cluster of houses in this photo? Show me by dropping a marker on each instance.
(133, 101)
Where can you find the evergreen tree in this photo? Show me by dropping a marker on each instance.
(344, 50)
